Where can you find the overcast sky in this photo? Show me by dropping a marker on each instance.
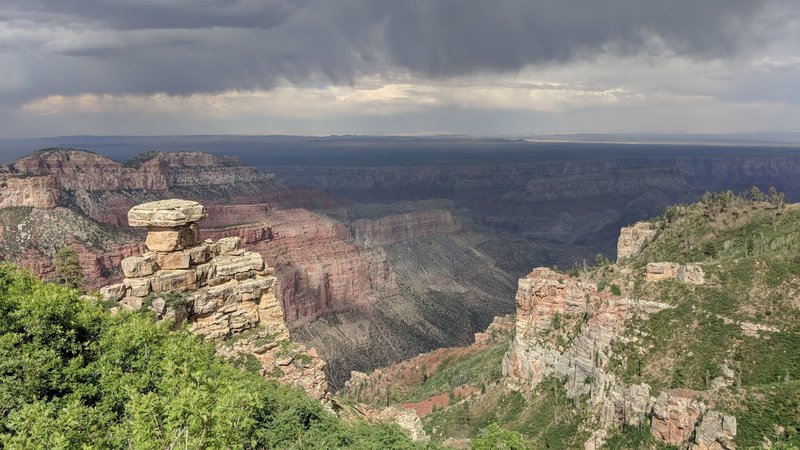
(481, 67)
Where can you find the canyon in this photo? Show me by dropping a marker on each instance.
(376, 260)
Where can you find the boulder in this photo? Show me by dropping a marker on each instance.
(114, 292)
(166, 239)
(658, 271)
(174, 260)
(633, 238)
(229, 246)
(139, 287)
(715, 432)
(166, 213)
(139, 266)
(690, 274)
(173, 280)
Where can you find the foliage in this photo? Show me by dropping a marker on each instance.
(495, 437)
(770, 412)
(68, 270)
(140, 159)
(481, 368)
(74, 376)
(545, 419)
(635, 438)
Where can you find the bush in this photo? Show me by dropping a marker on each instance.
(495, 437)
(74, 376)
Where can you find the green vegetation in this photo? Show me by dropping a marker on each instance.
(68, 270)
(140, 159)
(480, 369)
(495, 437)
(74, 376)
(771, 412)
(635, 438)
(545, 418)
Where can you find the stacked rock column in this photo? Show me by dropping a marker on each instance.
(219, 287)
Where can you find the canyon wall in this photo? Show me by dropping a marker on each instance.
(580, 199)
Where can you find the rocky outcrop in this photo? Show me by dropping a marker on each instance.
(715, 432)
(406, 419)
(633, 238)
(675, 414)
(38, 192)
(224, 291)
(499, 330)
(679, 419)
(688, 274)
(566, 329)
(659, 271)
(400, 227)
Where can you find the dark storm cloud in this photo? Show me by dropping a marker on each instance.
(185, 46)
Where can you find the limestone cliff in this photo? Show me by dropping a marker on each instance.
(225, 292)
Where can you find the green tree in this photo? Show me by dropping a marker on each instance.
(74, 376)
(68, 270)
(495, 437)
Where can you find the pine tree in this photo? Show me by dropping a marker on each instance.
(68, 270)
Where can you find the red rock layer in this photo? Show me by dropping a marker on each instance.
(400, 227)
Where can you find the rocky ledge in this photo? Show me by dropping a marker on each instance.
(225, 292)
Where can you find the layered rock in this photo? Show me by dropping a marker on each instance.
(633, 238)
(318, 269)
(688, 274)
(38, 192)
(401, 227)
(224, 291)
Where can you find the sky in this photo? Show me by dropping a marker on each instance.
(476, 67)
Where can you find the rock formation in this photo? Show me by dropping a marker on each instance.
(38, 192)
(688, 274)
(400, 227)
(566, 329)
(633, 238)
(224, 291)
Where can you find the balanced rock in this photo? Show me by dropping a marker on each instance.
(170, 213)
(220, 288)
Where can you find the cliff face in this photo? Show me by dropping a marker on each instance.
(37, 192)
(402, 227)
(319, 270)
